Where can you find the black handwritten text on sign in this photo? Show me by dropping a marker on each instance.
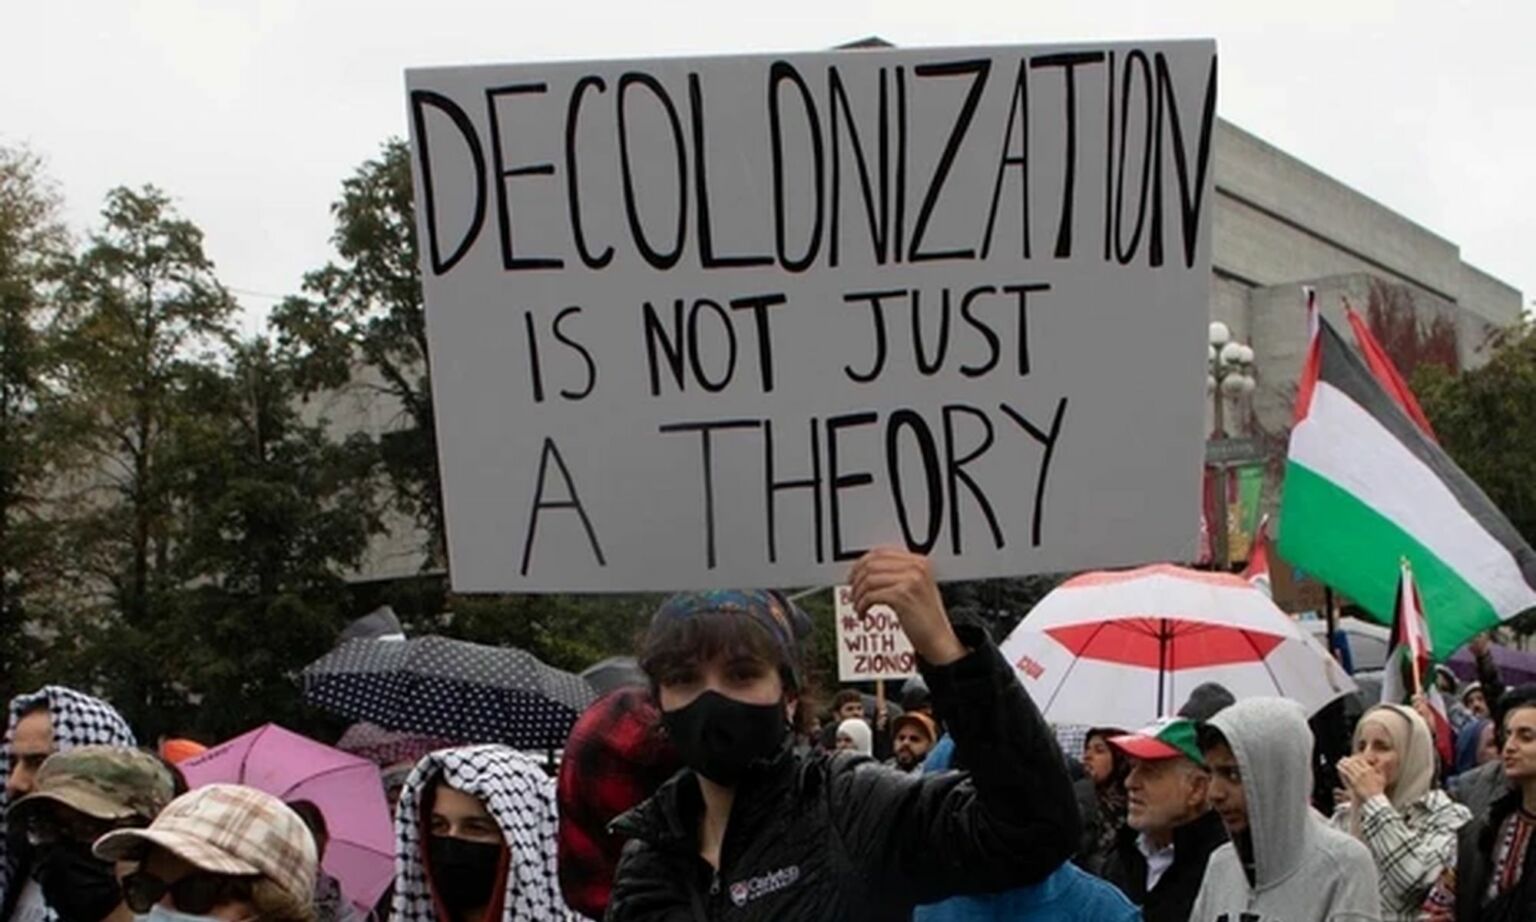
(731, 321)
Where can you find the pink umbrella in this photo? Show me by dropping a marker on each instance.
(347, 789)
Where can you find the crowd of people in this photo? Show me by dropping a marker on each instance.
(712, 793)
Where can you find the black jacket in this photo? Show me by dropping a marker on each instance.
(1475, 844)
(1174, 896)
(821, 837)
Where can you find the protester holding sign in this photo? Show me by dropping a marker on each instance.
(755, 831)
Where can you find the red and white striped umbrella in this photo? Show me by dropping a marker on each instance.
(1124, 648)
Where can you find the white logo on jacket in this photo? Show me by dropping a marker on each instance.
(745, 891)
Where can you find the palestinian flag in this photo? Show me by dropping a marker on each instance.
(1410, 658)
(1365, 488)
(1257, 571)
(1386, 373)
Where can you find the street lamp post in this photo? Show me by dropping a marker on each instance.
(1229, 374)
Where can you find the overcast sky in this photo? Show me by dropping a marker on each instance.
(251, 113)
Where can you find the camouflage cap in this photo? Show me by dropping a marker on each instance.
(105, 782)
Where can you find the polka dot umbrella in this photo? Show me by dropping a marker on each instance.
(449, 688)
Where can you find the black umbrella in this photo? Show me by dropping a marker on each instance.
(614, 672)
(449, 688)
(378, 624)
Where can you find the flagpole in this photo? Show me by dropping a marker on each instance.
(1413, 657)
(1331, 618)
(1162, 662)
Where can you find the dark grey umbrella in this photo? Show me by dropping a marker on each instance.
(449, 688)
(614, 672)
(378, 624)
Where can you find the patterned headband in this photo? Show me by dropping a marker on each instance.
(785, 621)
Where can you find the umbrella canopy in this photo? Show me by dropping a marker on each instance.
(449, 688)
(380, 623)
(1368, 642)
(613, 673)
(347, 789)
(1124, 648)
(1516, 667)
(389, 747)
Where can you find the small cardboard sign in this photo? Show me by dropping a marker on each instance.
(871, 646)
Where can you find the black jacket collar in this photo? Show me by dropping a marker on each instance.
(670, 818)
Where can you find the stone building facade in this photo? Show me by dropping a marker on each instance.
(1281, 224)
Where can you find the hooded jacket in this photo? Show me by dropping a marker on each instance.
(820, 836)
(78, 720)
(1303, 871)
(519, 796)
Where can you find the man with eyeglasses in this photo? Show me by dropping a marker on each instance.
(41, 723)
(77, 797)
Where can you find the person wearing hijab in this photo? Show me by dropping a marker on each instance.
(1475, 745)
(475, 835)
(51, 719)
(1393, 807)
(855, 736)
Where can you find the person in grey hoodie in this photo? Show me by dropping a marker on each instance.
(1283, 862)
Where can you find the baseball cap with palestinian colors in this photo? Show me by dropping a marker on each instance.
(1164, 738)
(105, 782)
(227, 829)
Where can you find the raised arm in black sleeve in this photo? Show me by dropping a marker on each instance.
(1008, 821)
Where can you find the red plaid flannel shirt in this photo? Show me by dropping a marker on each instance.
(614, 759)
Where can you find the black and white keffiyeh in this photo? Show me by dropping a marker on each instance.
(521, 798)
(78, 720)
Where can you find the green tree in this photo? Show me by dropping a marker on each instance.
(34, 252)
(274, 512)
(145, 311)
(568, 631)
(360, 321)
(1485, 419)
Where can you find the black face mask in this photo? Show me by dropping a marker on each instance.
(720, 737)
(463, 872)
(79, 886)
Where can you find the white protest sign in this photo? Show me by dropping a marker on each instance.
(731, 321)
(872, 646)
